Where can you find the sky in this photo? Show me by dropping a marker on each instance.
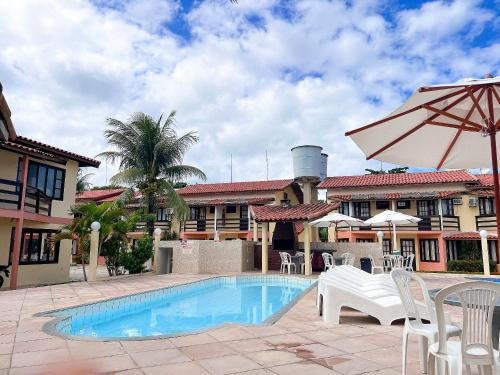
(257, 76)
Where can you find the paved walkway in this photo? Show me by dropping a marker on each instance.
(299, 343)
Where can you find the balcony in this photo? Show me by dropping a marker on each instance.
(223, 225)
(428, 223)
(35, 201)
(486, 222)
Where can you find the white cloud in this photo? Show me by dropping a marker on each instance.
(248, 80)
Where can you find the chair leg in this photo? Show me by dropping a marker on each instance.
(424, 349)
(431, 364)
(405, 352)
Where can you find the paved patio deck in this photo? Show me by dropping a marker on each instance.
(298, 343)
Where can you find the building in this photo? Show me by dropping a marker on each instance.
(37, 189)
(453, 206)
(221, 210)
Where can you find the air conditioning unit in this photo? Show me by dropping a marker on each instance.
(457, 201)
(473, 202)
(170, 211)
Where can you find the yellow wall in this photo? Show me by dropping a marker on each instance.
(35, 274)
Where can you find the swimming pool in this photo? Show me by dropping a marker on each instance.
(491, 279)
(182, 309)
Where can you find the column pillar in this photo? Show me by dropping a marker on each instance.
(216, 215)
(255, 231)
(265, 247)
(307, 249)
(157, 236)
(18, 231)
(484, 251)
(94, 250)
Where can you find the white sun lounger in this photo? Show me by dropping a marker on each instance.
(375, 295)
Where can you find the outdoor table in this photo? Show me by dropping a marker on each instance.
(453, 300)
(297, 259)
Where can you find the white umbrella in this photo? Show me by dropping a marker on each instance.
(392, 218)
(335, 219)
(441, 126)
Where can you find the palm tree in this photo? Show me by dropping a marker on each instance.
(107, 214)
(150, 155)
(82, 181)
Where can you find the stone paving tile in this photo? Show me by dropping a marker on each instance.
(302, 368)
(287, 341)
(159, 357)
(188, 368)
(42, 357)
(4, 361)
(350, 364)
(95, 349)
(146, 345)
(250, 346)
(351, 345)
(268, 358)
(261, 371)
(190, 340)
(6, 348)
(203, 351)
(228, 365)
(315, 351)
(112, 364)
(7, 338)
(37, 345)
(230, 333)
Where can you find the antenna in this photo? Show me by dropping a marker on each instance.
(231, 167)
(267, 167)
(106, 172)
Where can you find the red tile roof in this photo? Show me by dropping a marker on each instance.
(299, 212)
(235, 187)
(398, 179)
(393, 195)
(466, 236)
(485, 179)
(106, 195)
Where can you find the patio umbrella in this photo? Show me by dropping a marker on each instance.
(335, 219)
(442, 126)
(392, 218)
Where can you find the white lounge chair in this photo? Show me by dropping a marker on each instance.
(375, 295)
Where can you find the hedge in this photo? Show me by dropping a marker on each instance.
(469, 265)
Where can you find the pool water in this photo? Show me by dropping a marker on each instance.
(491, 279)
(184, 309)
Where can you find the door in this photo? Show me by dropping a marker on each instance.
(243, 217)
(407, 248)
(199, 214)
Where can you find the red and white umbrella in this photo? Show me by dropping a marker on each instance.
(441, 126)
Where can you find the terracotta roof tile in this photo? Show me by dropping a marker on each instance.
(485, 179)
(299, 212)
(466, 236)
(235, 187)
(105, 195)
(393, 195)
(398, 179)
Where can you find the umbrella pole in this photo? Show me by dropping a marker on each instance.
(496, 184)
(335, 233)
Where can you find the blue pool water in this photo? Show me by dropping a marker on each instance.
(491, 279)
(184, 309)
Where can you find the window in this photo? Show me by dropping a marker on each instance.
(197, 213)
(387, 246)
(447, 207)
(486, 206)
(211, 209)
(364, 240)
(49, 180)
(163, 214)
(231, 209)
(453, 249)
(243, 212)
(382, 205)
(403, 204)
(343, 240)
(37, 246)
(492, 250)
(429, 251)
(344, 208)
(361, 209)
(427, 207)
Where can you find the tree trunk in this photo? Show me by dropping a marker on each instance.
(83, 267)
(150, 224)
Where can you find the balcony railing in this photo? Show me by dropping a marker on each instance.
(428, 223)
(35, 200)
(207, 225)
(486, 222)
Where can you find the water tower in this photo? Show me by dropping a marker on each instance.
(309, 168)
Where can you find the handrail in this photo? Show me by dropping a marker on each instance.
(35, 199)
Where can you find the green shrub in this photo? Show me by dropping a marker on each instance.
(112, 250)
(134, 260)
(469, 265)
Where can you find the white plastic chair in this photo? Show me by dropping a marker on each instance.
(379, 269)
(408, 263)
(286, 262)
(386, 263)
(428, 332)
(327, 260)
(397, 261)
(303, 264)
(347, 259)
(478, 299)
(299, 253)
